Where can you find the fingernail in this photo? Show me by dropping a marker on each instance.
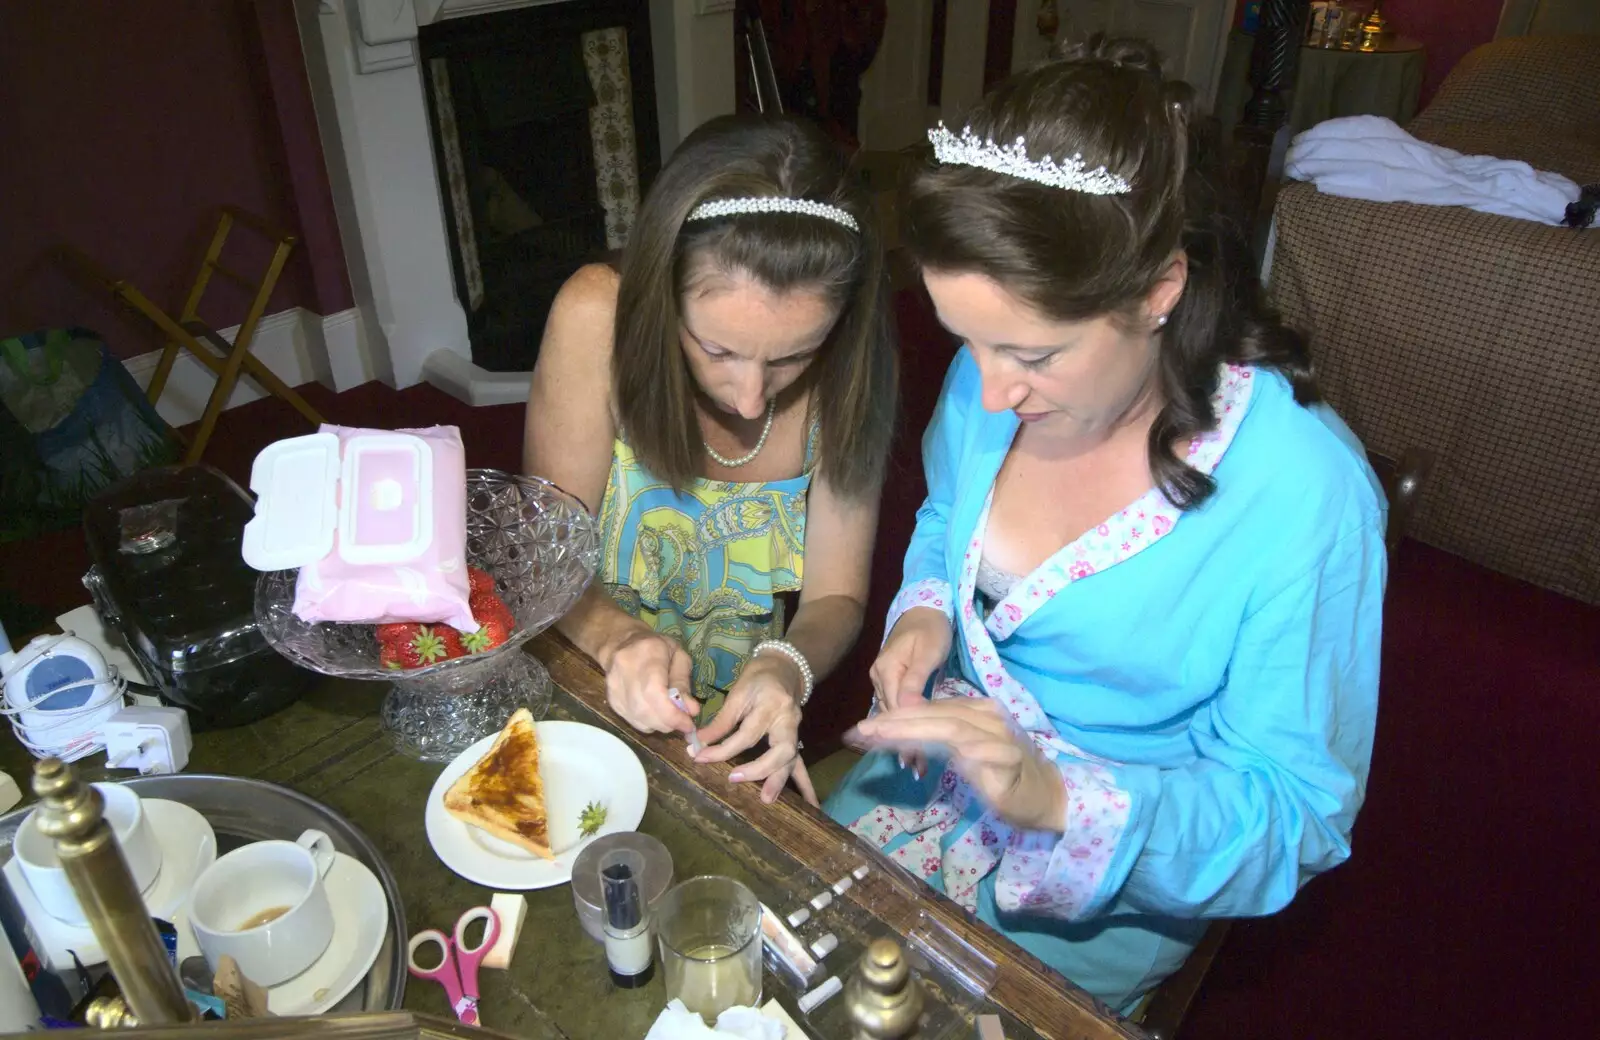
(916, 771)
(735, 777)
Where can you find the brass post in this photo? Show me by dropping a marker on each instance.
(885, 1002)
(72, 813)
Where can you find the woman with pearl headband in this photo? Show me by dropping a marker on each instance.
(725, 399)
(1130, 681)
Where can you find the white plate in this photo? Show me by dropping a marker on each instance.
(188, 847)
(579, 764)
(360, 922)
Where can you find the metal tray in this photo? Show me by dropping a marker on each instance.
(242, 810)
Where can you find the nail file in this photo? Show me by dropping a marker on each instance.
(511, 908)
(829, 987)
(693, 736)
(786, 945)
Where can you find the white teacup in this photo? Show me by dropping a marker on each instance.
(265, 906)
(36, 854)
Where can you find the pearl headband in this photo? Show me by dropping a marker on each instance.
(773, 204)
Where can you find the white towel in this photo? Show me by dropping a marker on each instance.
(1369, 157)
(677, 1022)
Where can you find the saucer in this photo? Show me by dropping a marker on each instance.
(360, 923)
(579, 764)
(188, 847)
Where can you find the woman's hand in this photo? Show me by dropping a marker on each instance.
(765, 702)
(917, 645)
(641, 667)
(1010, 774)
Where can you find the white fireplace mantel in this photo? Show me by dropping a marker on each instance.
(361, 56)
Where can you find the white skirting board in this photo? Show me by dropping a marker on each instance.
(460, 378)
(297, 345)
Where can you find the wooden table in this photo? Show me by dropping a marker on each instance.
(330, 747)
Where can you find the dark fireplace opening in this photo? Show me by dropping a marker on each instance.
(545, 138)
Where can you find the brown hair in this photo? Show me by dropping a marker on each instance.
(852, 378)
(1075, 256)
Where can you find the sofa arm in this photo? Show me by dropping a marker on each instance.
(1473, 336)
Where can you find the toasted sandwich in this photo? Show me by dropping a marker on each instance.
(503, 794)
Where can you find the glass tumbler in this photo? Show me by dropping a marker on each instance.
(709, 931)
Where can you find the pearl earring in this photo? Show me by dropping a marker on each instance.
(1162, 320)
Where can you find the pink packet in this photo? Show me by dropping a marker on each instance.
(376, 520)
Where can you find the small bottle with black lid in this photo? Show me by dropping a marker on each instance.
(630, 947)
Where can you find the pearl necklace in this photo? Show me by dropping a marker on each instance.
(772, 407)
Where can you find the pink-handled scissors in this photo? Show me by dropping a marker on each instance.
(457, 970)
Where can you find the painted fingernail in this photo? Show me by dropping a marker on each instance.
(678, 701)
(735, 777)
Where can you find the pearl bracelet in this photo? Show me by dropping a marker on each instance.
(807, 679)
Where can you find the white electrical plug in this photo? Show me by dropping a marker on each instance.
(151, 740)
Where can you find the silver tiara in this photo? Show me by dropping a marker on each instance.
(773, 204)
(1012, 160)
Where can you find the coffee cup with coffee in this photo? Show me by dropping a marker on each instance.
(265, 906)
(130, 824)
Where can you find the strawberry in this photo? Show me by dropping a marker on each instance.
(495, 620)
(412, 645)
(480, 584)
(495, 625)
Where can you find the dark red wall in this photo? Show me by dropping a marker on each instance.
(1447, 28)
(125, 126)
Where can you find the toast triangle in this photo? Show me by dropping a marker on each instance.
(503, 793)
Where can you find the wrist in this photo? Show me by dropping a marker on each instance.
(778, 648)
(786, 672)
(1053, 801)
(925, 616)
(617, 635)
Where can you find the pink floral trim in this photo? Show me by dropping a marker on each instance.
(1128, 532)
(929, 592)
(1061, 875)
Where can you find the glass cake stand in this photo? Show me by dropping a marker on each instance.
(541, 546)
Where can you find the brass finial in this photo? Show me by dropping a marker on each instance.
(109, 1013)
(885, 1001)
(70, 810)
(72, 813)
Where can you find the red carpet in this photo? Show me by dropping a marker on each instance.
(1469, 908)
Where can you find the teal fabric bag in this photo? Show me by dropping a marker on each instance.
(74, 422)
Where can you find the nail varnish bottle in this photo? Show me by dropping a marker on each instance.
(630, 949)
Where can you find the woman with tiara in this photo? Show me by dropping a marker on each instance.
(726, 398)
(1145, 589)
